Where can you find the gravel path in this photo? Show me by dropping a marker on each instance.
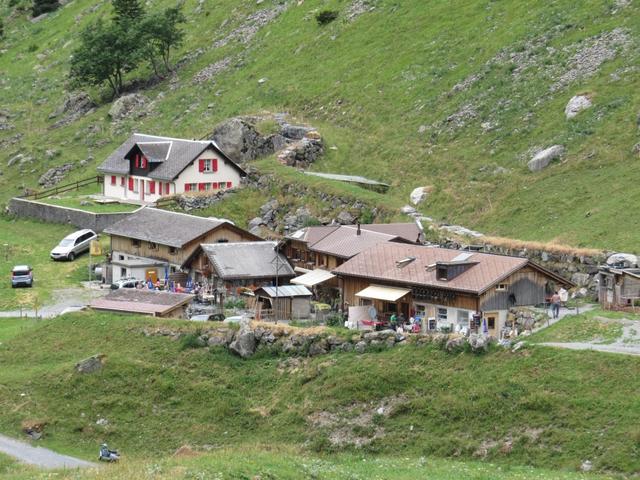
(612, 348)
(38, 456)
(62, 301)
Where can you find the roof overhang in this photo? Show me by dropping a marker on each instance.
(380, 292)
(313, 278)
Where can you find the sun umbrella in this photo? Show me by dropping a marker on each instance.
(485, 329)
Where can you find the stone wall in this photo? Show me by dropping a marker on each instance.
(97, 222)
(281, 340)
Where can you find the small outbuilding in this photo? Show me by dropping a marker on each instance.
(144, 302)
(286, 302)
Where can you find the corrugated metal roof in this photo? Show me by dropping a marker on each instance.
(245, 260)
(286, 291)
(163, 227)
(178, 156)
(313, 278)
(408, 231)
(140, 301)
(379, 263)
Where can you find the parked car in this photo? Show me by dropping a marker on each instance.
(234, 319)
(73, 245)
(207, 317)
(129, 282)
(22, 275)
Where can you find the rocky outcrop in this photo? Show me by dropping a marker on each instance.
(244, 344)
(74, 106)
(54, 175)
(543, 158)
(128, 105)
(240, 139)
(302, 153)
(419, 195)
(576, 105)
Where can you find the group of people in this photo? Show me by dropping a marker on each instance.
(399, 323)
(170, 286)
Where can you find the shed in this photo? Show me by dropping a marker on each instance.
(286, 302)
(144, 302)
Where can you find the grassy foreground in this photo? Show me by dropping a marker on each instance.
(288, 465)
(542, 407)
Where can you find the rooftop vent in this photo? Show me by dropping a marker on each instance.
(404, 262)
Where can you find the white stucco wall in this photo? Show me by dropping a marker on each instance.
(123, 192)
(226, 173)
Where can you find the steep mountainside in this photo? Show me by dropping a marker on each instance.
(456, 95)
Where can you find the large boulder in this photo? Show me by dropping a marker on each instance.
(54, 175)
(345, 218)
(91, 364)
(127, 105)
(576, 105)
(543, 158)
(245, 344)
(455, 344)
(241, 140)
(419, 195)
(74, 106)
(625, 260)
(478, 342)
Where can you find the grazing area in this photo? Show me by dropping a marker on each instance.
(598, 326)
(521, 116)
(547, 408)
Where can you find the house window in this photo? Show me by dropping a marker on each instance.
(173, 250)
(208, 165)
(190, 187)
(113, 179)
(122, 181)
(463, 318)
(123, 272)
(121, 257)
(502, 287)
(491, 323)
(153, 246)
(223, 240)
(135, 185)
(229, 184)
(135, 243)
(442, 313)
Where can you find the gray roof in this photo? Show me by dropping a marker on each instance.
(163, 227)
(174, 155)
(245, 260)
(286, 291)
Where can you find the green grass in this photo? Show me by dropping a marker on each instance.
(557, 407)
(287, 464)
(369, 85)
(77, 202)
(29, 242)
(12, 327)
(591, 326)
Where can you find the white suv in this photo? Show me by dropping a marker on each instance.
(73, 245)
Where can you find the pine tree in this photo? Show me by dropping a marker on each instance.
(44, 6)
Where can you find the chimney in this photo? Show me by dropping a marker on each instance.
(358, 229)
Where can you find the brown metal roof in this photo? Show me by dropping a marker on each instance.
(379, 263)
(408, 231)
(141, 301)
(345, 242)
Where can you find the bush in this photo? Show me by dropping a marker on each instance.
(326, 16)
(334, 320)
(191, 340)
(235, 303)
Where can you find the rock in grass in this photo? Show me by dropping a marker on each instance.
(91, 364)
(576, 105)
(244, 345)
(543, 158)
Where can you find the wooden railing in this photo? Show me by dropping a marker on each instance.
(63, 188)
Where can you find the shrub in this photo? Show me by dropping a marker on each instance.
(191, 340)
(334, 320)
(326, 16)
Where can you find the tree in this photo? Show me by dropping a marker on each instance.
(163, 33)
(105, 54)
(44, 6)
(127, 10)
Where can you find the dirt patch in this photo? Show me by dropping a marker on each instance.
(356, 425)
(186, 451)
(505, 444)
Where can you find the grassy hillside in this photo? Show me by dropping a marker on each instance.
(541, 407)
(457, 95)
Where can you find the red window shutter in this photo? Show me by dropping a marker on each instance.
(113, 179)
(201, 165)
(166, 189)
(202, 186)
(214, 165)
(187, 187)
(131, 184)
(137, 161)
(122, 181)
(152, 187)
(228, 184)
(214, 185)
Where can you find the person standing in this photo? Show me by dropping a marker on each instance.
(393, 320)
(555, 305)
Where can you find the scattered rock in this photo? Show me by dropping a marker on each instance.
(576, 105)
(301, 154)
(54, 175)
(586, 466)
(209, 72)
(636, 149)
(357, 8)
(103, 422)
(455, 344)
(419, 195)
(128, 105)
(15, 159)
(34, 429)
(542, 159)
(460, 118)
(408, 210)
(345, 218)
(478, 342)
(74, 106)
(360, 347)
(4, 120)
(251, 25)
(91, 364)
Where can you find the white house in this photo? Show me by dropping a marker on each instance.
(147, 167)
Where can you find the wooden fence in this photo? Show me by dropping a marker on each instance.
(63, 188)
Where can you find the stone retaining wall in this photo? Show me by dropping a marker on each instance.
(97, 222)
